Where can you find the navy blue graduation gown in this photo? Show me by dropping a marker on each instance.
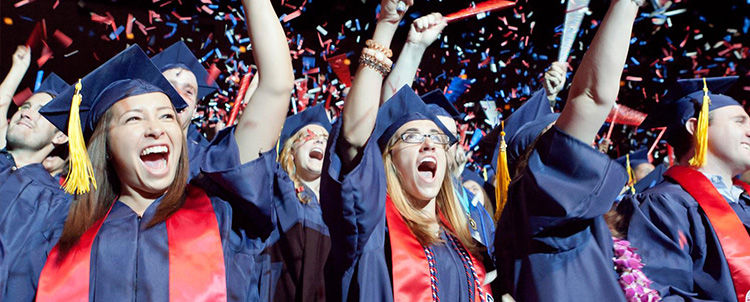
(131, 263)
(353, 202)
(196, 145)
(294, 254)
(483, 229)
(30, 201)
(552, 243)
(682, 253)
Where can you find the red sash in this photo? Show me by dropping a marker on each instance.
(734, 239)
(196, 258)
(411, 271)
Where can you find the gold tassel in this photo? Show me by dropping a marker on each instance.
(701, 132)
(502, 179)
(631, 174)
(81, 174)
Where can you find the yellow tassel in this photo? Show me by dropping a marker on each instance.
(631, 174)
(81, 174)
(701, 132)
(502, 179)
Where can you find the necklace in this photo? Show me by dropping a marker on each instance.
(471, 274)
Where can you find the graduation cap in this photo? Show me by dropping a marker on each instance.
(679, 105)
(178, 55)
(403, 107)
(636, 158)
(630, 161)
(52, 85)
(76, 110)
(467, 175)
(436, 101)
(314, 115)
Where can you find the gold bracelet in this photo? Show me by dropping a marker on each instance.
(378, 55)
(375, 45)
(375, 64)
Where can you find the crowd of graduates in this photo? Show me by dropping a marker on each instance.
(108, 192)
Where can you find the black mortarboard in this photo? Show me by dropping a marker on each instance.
(129, 73)
(403, 107)
(313, 115)
(178, 55)
(525, 124)
(683, 100)
(52, 85)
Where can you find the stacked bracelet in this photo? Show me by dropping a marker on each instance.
(377, 57)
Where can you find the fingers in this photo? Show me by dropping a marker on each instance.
(429, 21)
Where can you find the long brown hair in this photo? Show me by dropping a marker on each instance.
(286, 159)
(87, 208)
(446, 204)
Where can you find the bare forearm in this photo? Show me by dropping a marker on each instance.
(597, 82)
(9, 86)
(260, 124)
(404, 71)
(361, 106)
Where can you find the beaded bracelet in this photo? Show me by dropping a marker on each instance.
(376, 46)
(375, 64)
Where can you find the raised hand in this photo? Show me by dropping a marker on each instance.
(425, 30)
(392, 11)
(554, 79)
(22, 57)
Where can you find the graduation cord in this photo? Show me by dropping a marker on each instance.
(433, 273)
(471, 273)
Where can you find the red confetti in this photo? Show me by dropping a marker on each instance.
(22, 96)
(46, 55)
(213, 74)
(64, 40)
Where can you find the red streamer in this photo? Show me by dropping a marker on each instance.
(240, 97)
(487, 6)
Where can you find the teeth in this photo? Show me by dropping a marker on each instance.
(429, 159)
(154, 149)
(317, 149)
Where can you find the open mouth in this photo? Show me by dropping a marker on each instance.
(746, 146)
(155, 158)
(316, 153)
(427, 168)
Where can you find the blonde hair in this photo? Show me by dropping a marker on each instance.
(446, 204)
(286, 159)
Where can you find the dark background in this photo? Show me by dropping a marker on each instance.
(689, 45)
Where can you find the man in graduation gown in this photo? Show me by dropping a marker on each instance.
(183, 70)
(29, 195)
(692, 229)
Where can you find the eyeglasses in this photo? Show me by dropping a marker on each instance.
(418, 138)
(309, 135)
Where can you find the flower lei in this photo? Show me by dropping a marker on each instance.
(628, 264)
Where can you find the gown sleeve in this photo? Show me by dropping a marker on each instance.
(353, 206)
(247, 187)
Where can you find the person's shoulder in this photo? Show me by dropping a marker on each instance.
(666, 193)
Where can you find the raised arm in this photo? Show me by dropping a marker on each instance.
(259, 126)
(423, 32)
(597, 81)
(21, 61)
(361, 106)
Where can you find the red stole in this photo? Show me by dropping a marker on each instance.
(196, 258)
(734, 239)
(411, 272)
